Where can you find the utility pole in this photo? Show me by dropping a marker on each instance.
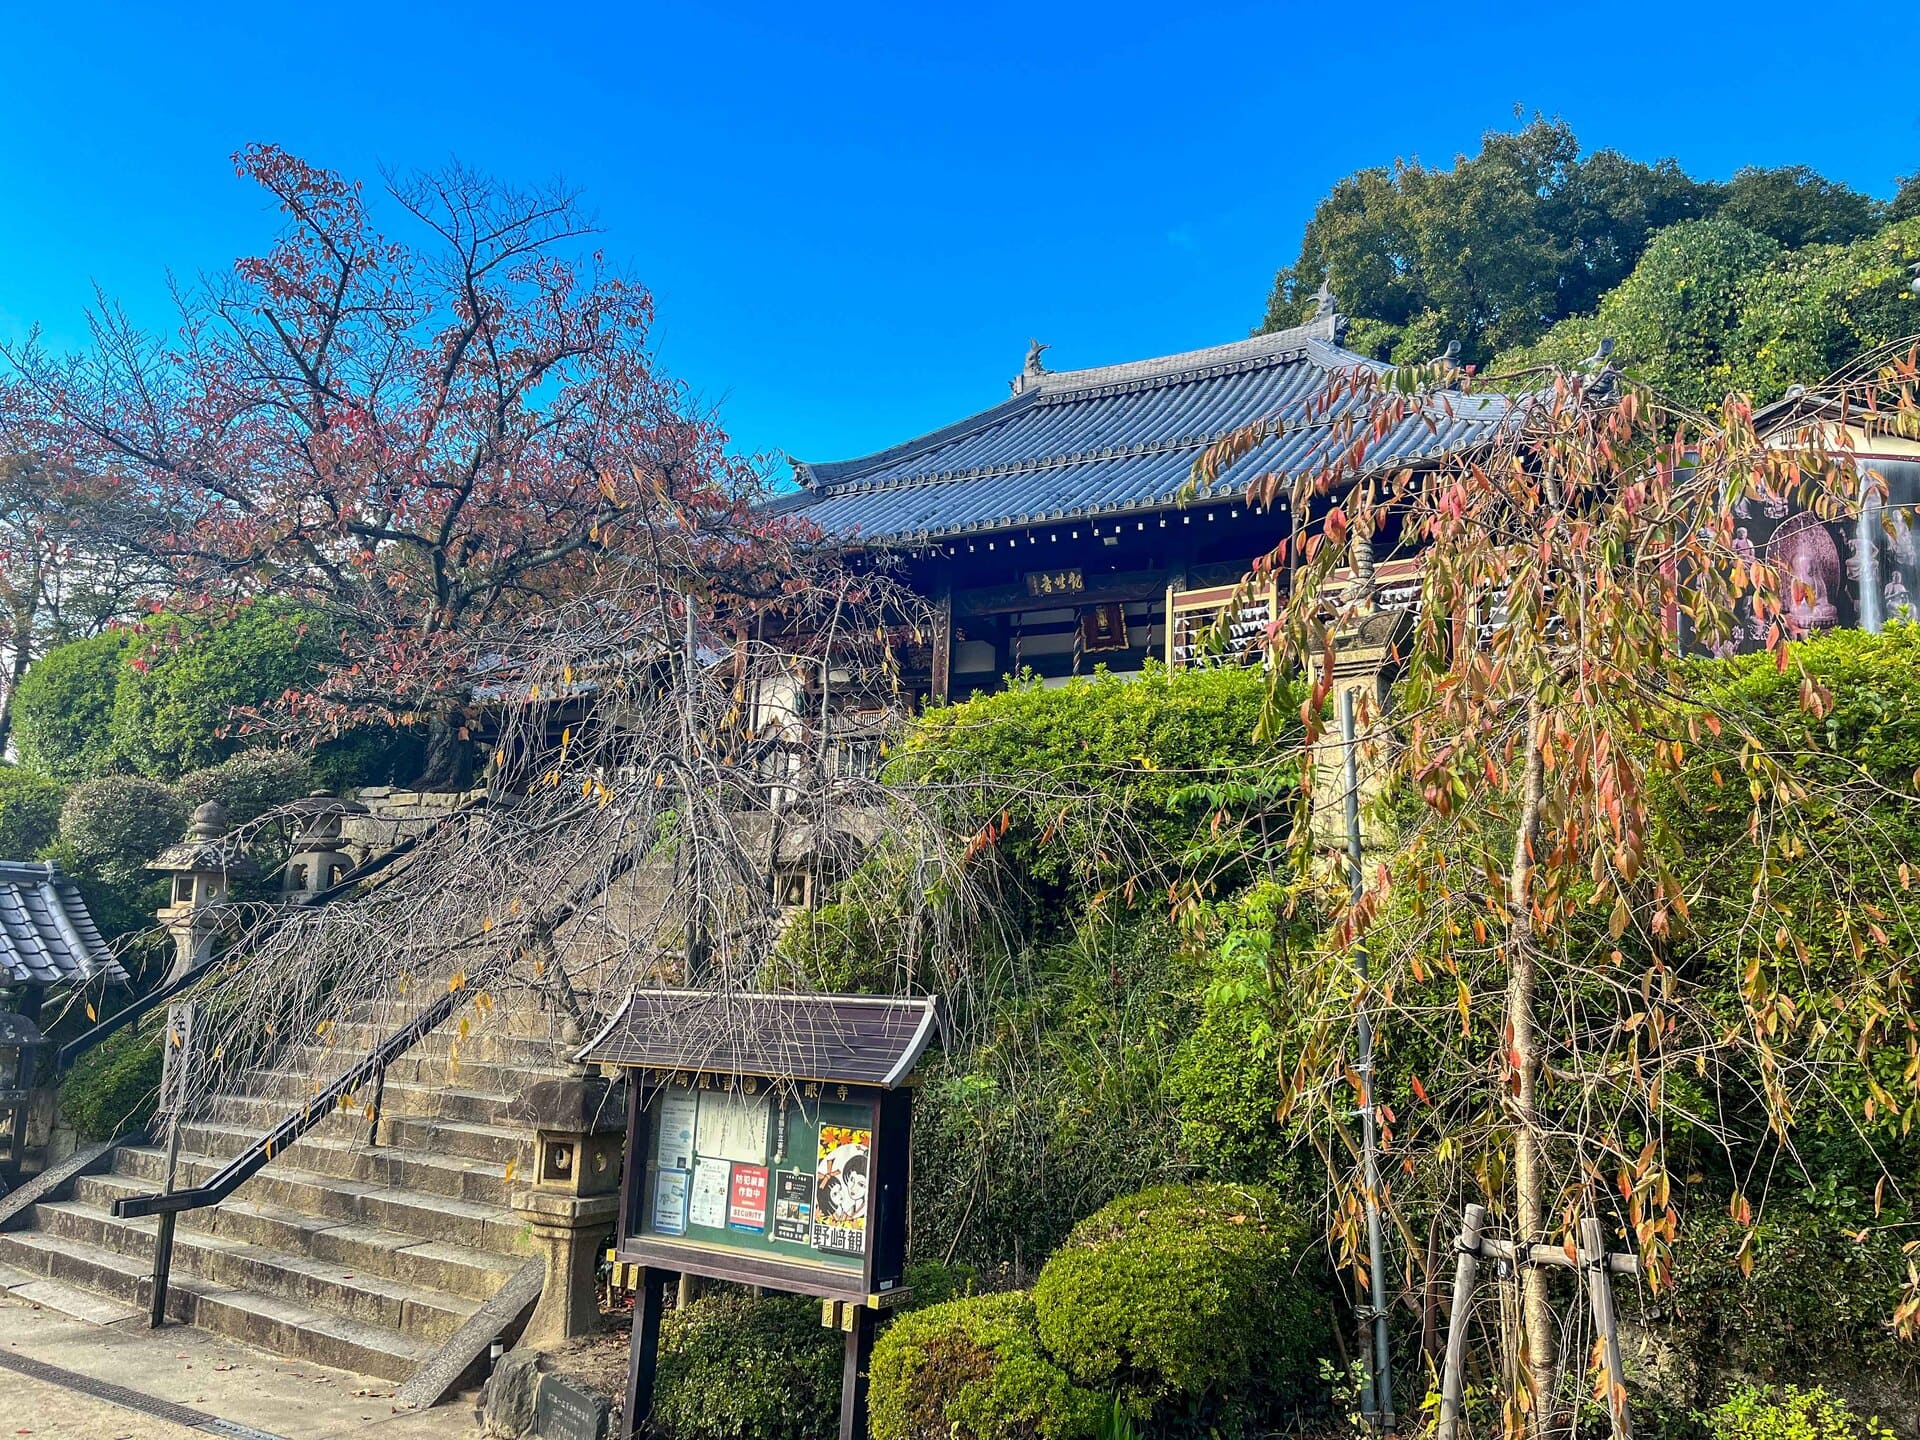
(1380, 1370)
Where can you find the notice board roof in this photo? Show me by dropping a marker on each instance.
(844, 1039)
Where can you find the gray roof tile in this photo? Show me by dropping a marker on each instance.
(852, 1039)
(46, 935)
(1121, 438)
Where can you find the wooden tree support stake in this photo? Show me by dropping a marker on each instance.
(1596, 1269)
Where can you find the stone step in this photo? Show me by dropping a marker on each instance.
(334, 1158)
(37, 1289)
(488, 1040)
(286, 1186)
(364, 1249)
(413, 1119)
(279, 1095)
(464, 1139)
(337, 1289)
(269, 1322)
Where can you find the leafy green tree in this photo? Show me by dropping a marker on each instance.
(1591, 1021)
(192, 685)
(1714, 308)
(63, 708)
(1675, 317)
(1819, 309)
(1490, 252)
(1906, 200)
(1796, 206)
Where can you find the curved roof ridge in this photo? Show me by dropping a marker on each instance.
(1311, 341)
(818, 474)
(1314, 338)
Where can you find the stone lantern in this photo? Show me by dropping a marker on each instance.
(318, 861)
(26, 1104)
(579, 1128)
(202, 866)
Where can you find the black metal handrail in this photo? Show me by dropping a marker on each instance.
(243, 1167)
(68, 1053)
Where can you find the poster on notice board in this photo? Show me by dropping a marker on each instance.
(840, 1190)
(670, 1202)
(793, 1207)
(707, 1202)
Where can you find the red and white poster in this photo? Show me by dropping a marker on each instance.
(747, 1204)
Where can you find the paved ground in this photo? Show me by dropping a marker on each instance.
(205, 1373)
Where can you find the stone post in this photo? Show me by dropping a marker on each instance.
(319, 859)
(579, 1126)
(202, 867)
(1366, 658)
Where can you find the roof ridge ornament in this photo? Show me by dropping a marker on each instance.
(1032, 370)
(1326, 310)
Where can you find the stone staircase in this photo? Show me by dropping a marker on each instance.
(360, 1255)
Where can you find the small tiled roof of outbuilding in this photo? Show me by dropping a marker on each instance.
(1124, 438)
(848, 1039)
(46, 935)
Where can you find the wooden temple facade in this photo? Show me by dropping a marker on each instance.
(1060, 530)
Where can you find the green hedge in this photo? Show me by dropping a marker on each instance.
(1758, 1413)
(29, 812)
(114, 825)
(111, 1090)
(1194, 1303)
(975, 1368)
(179, 702)
(737, 1368)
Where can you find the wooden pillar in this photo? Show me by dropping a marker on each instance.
(643, 1357)
(942, 636)
(853, 1374)
(1453, 1370)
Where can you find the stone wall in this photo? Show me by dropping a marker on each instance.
(393, 814)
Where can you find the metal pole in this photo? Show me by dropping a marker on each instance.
(1382, 1366)
(176, 1050)
(1593, 1258)
(1453, 1369)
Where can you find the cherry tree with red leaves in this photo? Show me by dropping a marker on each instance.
(427, 437)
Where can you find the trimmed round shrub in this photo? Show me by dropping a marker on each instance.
(113, 826)
(1192, 1302)
(29, 812)
(1759, 1413)
(63, 710)
(974, 1368)
(736, 1368)
(182, 699)
(248, 784)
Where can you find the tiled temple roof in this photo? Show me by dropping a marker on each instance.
(46, 935)
(1123, 438)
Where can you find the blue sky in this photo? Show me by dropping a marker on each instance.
(853, 217)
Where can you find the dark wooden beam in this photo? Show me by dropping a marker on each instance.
(1010, 599)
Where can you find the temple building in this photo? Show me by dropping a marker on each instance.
(1061, 529)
